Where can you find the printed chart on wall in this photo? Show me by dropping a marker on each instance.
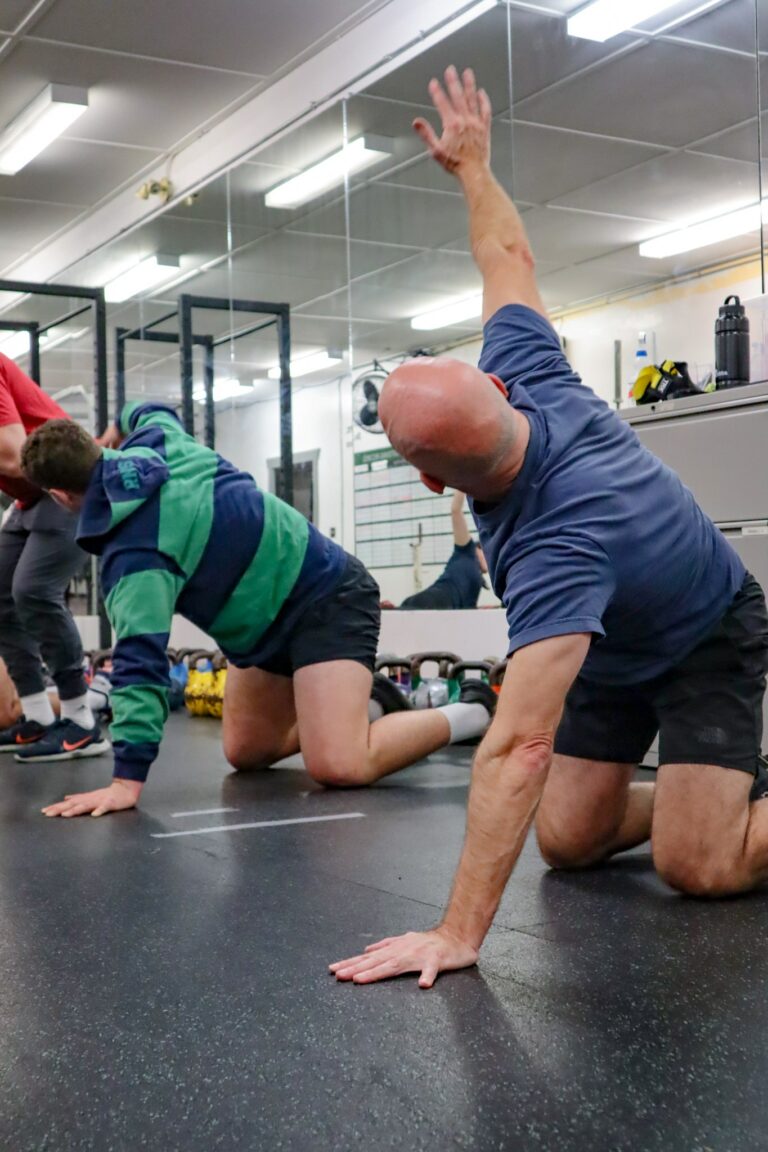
(394, 512)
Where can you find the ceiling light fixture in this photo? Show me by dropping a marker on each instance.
(148, 273)
(314, 362)
(727, 226)
(468, 308)
(227, 388)
(606, 18)
(39, 124)
(313, 182)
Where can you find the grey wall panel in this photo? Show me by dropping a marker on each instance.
(721, 455)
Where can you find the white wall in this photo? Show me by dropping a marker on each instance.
(679, 319)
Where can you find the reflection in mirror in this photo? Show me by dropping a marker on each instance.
(633, 157)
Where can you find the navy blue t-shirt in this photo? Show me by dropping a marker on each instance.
(462, 576)
(596, 534)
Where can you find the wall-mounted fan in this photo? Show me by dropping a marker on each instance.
(365, 399)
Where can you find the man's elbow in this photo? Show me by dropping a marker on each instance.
(493, 257)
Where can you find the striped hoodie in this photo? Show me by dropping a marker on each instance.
(179, 529)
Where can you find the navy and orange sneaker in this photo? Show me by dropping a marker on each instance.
(64, 740)
(21, 733)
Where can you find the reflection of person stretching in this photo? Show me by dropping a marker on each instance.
(460, 583)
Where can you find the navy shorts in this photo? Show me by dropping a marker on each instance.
(708, 709)
(344, 625)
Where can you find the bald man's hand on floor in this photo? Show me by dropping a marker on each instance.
(427, 953)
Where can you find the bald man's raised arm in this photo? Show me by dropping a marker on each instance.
(499, 242)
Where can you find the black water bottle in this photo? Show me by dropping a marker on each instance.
(732, 345)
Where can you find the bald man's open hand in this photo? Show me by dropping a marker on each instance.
(465, 113)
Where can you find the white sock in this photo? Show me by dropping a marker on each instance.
(38, 707)
(78, 712)
(375, 711)
(466, 721)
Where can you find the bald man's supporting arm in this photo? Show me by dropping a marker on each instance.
(499, 242)
(508, 778)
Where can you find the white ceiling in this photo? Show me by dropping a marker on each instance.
(606, 145)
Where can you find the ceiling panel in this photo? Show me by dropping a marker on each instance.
(624, 97)
(564, 236)
(131, 101)
(732, 25)
(393, 216)
(11, 12)
(537, 164)
(585, 282)
(735, 143)
(230, 34)
(23, 224)
(677, 187)
(72, 172)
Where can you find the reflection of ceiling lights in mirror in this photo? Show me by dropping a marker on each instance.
(312, 182)
(15, 346)
(148, 273)
(468, 308)
(699, 235)
(314, 362)
(39, 124)
(227, 388)
(606, 18)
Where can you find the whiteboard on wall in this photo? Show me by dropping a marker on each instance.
(394, 511)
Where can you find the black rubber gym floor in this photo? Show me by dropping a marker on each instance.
(172, 993)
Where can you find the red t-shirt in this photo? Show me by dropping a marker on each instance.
(23, 402)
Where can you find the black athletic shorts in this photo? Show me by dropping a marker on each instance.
(341, 626)
(708, 709)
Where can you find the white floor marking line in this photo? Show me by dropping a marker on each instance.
(258, 824)
(202, 812)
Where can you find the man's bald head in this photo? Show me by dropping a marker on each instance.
(451, 421)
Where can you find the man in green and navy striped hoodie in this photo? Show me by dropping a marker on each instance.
(179, 529)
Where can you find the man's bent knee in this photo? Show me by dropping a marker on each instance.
(695, 875)
(244, 758)
(564, 852)
(341, 772)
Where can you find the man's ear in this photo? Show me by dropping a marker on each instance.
(431, 483)
(499, 384)
(68, 500)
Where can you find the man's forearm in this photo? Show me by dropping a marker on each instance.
(505, 792)
(495, 225)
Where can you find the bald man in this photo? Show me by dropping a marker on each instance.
(629, 613)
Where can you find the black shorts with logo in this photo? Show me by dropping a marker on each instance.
(708, 709)
(344, 625)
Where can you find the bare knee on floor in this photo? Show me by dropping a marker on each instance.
(342, 771)
(243, 757)
(695, 873)
(564, 850)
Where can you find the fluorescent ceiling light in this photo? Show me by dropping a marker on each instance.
(313, 182)
(15, 345)
(148, 273)
(700, 235)
(226, 389)
(314, 362)
(39, 124)
(606, 18)
(469, 308)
